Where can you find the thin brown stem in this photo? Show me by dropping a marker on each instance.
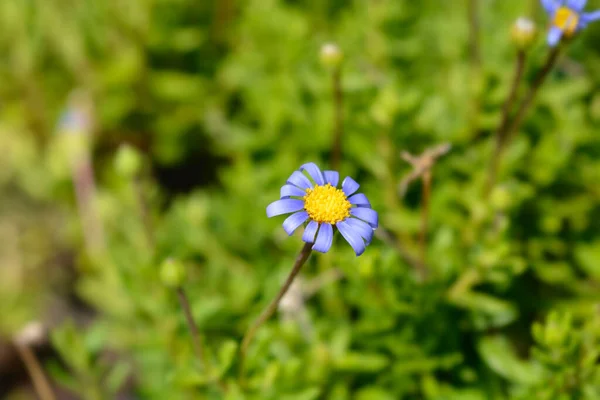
(501, 130)
(534, 6)
(338, 129)
(223, 13)
(272, 307)
(474, 29)
(36, 372)
(537, 83)
(475, 67)
(424, 219)
(194, 332)
(85, 193)
(510, 129)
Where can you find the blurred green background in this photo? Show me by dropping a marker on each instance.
(189, 116)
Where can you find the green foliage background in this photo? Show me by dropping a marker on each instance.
(222, 100)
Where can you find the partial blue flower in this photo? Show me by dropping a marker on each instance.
(567, 18)
(319, 202)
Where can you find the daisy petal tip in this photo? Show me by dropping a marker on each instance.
(550, 6)
(324, 239)
(349, 186)
(294, 221)
(310, 231)
(368, 215)
(314, 171)
(299, 179)
(284, 206)
(359, 200)
(352, 237)
(576, 5)
(288, 191)
(362, 228)
(589, 17)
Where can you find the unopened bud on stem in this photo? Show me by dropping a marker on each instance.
(331, 55)
(32, 334)
(523, 33)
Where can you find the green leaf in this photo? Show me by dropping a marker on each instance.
(488, 311)
(374, 393)
(227, 354)
(588, 256)
(117, 376)
(499, 355)
(361, 362)
(189, 377)
(71, 346)
(306, 394)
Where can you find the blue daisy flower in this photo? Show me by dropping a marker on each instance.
(567, 17)
(319, 201)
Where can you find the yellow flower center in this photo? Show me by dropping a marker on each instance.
(326, 204)
(567, 20)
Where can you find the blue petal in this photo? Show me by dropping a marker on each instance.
(550, 6)
(360, 200)
(362, 228)
(284, 206)
(590, 17)
(324, 239)
(352, 237)
(291, 190)
(554, 36)
(310, 231)
(576, 5)
(332, 177)
(292, 222)
(300, 180)
(349, 186)
(366, 214)
(314, 172)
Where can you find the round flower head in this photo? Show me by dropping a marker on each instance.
(567, 18)
(331, 55)
(319, 201)
(523, 32)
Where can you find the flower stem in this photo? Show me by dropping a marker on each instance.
(475, 66)
(40, 382)
(474, 29)
(500, 134)
(338, 130)
(424, 221)
(539, 80)
(194, 332)
(526, 104)
(272, 307)
(85, 193)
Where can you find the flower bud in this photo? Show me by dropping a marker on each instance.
(128, 161)
(172, 273)
(32, 334)
(331, 55)
(523, 32)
